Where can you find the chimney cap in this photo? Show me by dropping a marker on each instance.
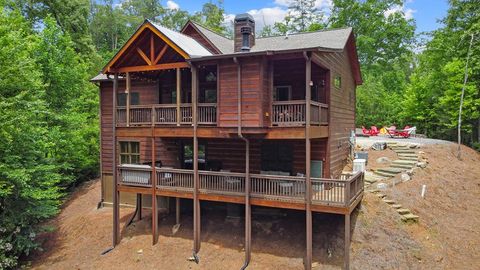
(244, 17)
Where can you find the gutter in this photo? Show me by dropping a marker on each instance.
(267, 52)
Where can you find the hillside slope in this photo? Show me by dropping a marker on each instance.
(446, 237)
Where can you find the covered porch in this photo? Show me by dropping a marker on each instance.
(289, 99)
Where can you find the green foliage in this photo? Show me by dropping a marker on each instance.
(385, 54)
(29, 180)
(212, 16)
(432, 99)
(49, 131)
(302, 16)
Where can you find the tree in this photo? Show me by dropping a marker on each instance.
(72, 17)
(29, 190)
(212, 16)
(384, 42)
(302, 16)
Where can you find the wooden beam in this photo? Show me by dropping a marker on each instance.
(154, 196)
(159, 56)
(116, 193)
(346, 258)
(196, 180)
(131, 189)
(152, 48)
(133, 38)
(169, 42)
(308, 181)
(127, 90)
(144, 57)
(152, 67)
(179, 100)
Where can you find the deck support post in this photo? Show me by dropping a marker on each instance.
(154, 195)
(248, 208)
(139, 205)
(179, 92)
(196, 182)
(308, 188)
(116, 202)
(127, 92)
(346, 259)
(177, 211)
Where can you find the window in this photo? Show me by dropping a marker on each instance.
(282, 93)
(122, 99)
(129, 152)
(210, 95)
(338, 81)
(188, 156)
(277, 156)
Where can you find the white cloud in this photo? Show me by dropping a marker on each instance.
(320, 4)
(267, 16)
(407, 12)
(172, 5)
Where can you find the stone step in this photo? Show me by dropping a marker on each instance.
(408, 158)
(403, 211)
(407, 155)
(389, 201)
(402, 166)
(410, 218)
(396, 206)
(391, 170)
(404, 162)
(388, 175)
(398, 147)
(405, 151)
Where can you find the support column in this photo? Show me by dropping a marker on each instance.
(248, 209)
(308, 189)
(116, 203)
(127, 92)
(154, 195)
(140, 205)
(346, 259)
(196, 182)
(179, 98)
(177, 211)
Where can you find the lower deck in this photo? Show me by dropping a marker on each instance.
(338, 196)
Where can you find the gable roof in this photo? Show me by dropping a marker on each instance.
(331, 40)
(186, 43)
(222, 44)
(183, 44)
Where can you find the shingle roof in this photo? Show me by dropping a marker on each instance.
(222, 43)
(328, 39)
(186, 43)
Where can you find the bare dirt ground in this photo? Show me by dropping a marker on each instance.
(447, 236)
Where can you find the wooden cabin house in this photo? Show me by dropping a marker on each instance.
(267, 121)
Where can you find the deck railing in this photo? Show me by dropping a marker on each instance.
(336, 192)
(319, 113)
(166, 114)
(293, 113)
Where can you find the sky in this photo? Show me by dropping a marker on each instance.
(425, 12)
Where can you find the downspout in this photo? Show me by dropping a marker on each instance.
(248, 216)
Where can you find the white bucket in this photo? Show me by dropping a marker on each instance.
(359, 165)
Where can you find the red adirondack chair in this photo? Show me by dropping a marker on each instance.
(365, 131)
(374, 131)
